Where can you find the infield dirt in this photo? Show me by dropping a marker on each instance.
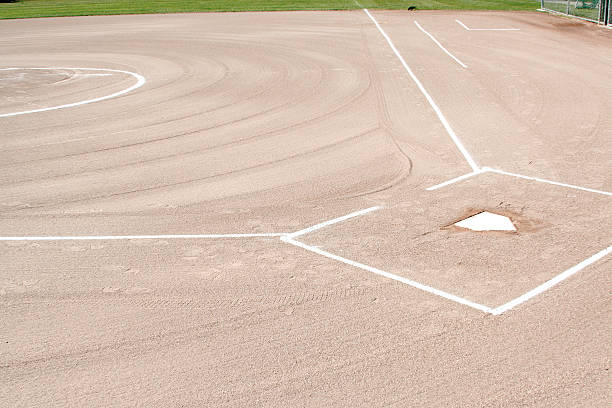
(270, 123)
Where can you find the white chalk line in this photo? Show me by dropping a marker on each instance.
(541, 180)
(552, 282)
(456, 180)
(486, 29)
(140, 81)
(486, 169)
(432, 103)
(457, 60)
(288, 238)
(377, 271)
(331, 222)
(127, 237)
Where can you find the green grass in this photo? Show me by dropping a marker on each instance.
(56, 8)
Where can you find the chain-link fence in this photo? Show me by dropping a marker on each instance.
(598, 11)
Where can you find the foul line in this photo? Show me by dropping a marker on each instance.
(377, 271)
(330, 222)
(457, 60)
(123, 237)
(433, 104)
(506, 173)
(486, 29)
(549, 284)
(140, 81)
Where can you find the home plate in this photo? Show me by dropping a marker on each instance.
(486, 221)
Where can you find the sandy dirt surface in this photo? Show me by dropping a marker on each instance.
(253, 123)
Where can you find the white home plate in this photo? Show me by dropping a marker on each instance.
(486, 221)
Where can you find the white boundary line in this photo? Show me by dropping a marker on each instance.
(433, 104)
(552, 282)
(456, 179)
(377, 271)
(124, 237)
(288, 238)
(330, 222)
(457, 60)
(486, 169)
(140, 81)
(506, 173)
(486, 29)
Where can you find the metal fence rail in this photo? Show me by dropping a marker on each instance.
(598, 11)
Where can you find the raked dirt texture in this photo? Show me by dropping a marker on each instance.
(252, 127)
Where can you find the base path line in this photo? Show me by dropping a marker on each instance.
(507, 173)
(140, 81)
(457, 60)
(456, 180)
(552, 282)
(432, 103)
(119, 237)
(377, 271)
(334, 221)
(486, 29)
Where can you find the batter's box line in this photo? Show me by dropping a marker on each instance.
(290, 239)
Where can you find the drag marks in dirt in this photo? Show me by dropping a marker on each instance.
(290, 238)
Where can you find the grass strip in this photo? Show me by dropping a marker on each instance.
(58, 8)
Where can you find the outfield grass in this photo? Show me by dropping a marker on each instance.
(56, 8)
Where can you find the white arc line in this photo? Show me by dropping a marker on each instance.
(506, 173)
(377, 271)
(456, 179)
(334, 221)
(486, 29)
(457, 60)
(552, 282)
(140, 81)
(433, 104)
(121, 237)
